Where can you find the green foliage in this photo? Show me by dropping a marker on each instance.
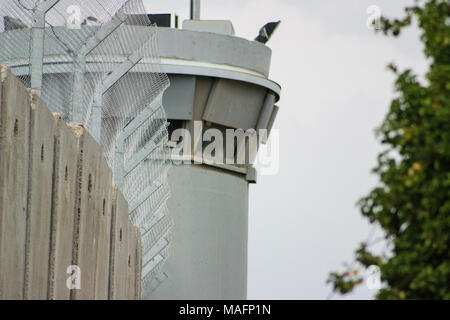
(412, 202)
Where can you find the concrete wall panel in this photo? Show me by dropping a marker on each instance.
(132, 261)
(119, 247)
(88, 205)
(63, 208)
(138, 267)
(103, 191)
(40, 178)
(14, 157)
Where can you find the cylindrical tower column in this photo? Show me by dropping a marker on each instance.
(208, 257)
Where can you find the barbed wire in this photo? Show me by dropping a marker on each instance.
(21, 5)
(104, 8)
(61, 41)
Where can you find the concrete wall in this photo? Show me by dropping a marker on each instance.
(59, 207)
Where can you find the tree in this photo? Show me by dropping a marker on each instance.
(412, 201)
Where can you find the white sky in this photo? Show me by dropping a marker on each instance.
(336, 91)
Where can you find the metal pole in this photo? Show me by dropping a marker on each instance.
(80, 62)
(78, 89)
(97, 107)
(110, 80)
(37, 43)
(195, 9)
(118, 173)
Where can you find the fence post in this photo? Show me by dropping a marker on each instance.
(37, 43)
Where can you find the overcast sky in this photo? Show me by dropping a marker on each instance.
(336, 90)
